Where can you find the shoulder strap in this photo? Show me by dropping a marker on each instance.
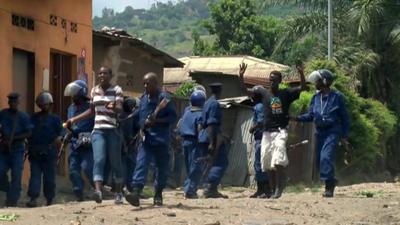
(14, 127)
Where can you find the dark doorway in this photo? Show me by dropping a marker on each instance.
(24, 78)
(60, 76)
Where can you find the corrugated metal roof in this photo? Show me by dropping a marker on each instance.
(168, 60)
(225, 65)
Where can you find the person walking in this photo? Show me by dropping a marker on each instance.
(106, 103)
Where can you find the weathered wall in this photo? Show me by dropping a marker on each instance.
(129, 64)
(231, 85)
(44, 38)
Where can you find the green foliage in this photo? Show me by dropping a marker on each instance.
(301, 105)
(185, 89)
(239, 30)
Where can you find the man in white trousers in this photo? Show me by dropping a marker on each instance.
(274, 158)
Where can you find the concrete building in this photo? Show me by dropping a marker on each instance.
(129, 58)
(225, 69)
(44, 45)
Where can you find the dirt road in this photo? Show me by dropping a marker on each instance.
(350, 206)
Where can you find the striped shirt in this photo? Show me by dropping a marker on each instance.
(105, 118)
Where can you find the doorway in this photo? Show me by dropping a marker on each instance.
(60, 75)
(23, 78)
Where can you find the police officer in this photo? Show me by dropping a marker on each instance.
(47, 128)
(211, 142)
(129, 125)
(258, 95)
(156, 115)
(81, 154)
(16, 127)
(328, 112)
(188, 130)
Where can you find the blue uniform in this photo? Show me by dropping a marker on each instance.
(81, 154)
(188, 130)
(13, 158)
(332, 122)
(156, 142)
(258, 118)
(212, 116)
(43, 154)
(129, 129)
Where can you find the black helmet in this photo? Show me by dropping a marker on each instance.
(44, 98)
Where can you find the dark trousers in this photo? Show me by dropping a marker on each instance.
(14, 161)
(43, 167)
(260, 175)
(326, 154)
(146, 155)
(194, 167)
(80, 159)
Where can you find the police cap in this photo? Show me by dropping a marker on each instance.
(13, 96)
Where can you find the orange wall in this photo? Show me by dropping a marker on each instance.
(44, 38)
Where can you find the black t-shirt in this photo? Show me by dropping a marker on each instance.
(277, 114)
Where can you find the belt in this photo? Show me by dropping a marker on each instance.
(190, 137)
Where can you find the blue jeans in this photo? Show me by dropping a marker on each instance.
(80, 159)
(13, 161)
(219, 166)
(146, 155)
(260, 175)
(194, 167)
(326, 154)
(106, 143)
(45, 167)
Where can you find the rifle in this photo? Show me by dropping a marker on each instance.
(163, 103)
(64, 143)
(212, 156)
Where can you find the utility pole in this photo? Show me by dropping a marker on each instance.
(330, 30)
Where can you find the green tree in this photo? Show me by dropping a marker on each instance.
(240, 30)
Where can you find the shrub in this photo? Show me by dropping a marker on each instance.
(185, 89)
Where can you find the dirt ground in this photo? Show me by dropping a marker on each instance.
(350, 206)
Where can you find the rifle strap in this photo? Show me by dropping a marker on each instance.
(14, 127)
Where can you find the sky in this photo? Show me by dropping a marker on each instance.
(119, 5)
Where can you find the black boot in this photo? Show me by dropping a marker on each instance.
(134, 197)
(280, 182)
(49, 202)
(272, 181)
(266, 190)
(329, 188)
(79, 196)
(260, 190)
(10, 203)
(158, 199)
(212, 192)
(32, 203)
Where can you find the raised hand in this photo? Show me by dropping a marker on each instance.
(242, 69)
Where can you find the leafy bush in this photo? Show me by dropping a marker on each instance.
(185, 89)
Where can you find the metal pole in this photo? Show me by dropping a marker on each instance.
(330, 30)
